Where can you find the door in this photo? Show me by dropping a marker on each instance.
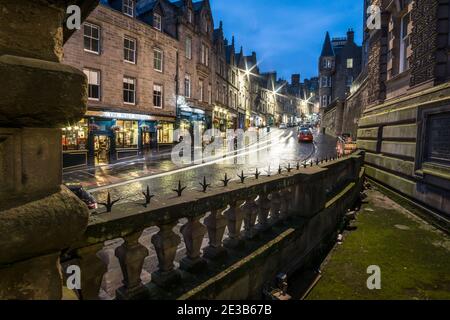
(146, 141)
(101, 149)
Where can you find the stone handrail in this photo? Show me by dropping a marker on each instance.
(246, 209)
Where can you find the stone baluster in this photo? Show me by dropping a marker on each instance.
(275, 204)
(166, 243)
(297, 196)
(216, 223)
(263, 212)
(286, 199)
(92, 271)
(131, 255)
(193, 233)
(234, 217)
(250, 209)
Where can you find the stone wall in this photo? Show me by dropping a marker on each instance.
(391, 135)
(332, 119)
(353, 108)
(298, 246)
(291, 214)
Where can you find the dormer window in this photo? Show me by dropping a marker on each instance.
(128, 7)
(189, 15)
(157, 24)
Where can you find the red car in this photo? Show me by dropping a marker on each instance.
(305, 135)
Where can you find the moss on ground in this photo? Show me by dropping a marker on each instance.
(413, 256)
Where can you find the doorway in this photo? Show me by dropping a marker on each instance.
(146, 141)
(102, 147)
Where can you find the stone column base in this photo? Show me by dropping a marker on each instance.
(193, 265)
(233, 243)
(33, 279)
(137, 293)
(165, 279)
(213, 253)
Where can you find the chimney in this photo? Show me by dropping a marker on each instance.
(295, 80)
(350, 35)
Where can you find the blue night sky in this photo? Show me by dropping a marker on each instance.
(287, 35)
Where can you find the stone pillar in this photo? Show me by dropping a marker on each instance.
(275, 206)
(234, 217)
(263, 212)
(131, 255)
(92, 271)
(250, 210)
(216, 223)
(193, 233)
(166, 244)
(38, 216)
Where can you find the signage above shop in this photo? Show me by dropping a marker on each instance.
(125, 116)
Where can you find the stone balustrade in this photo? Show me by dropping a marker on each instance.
(242, 211)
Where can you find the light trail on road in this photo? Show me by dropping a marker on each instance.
(209, 163)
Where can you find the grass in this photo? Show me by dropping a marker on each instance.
(413, 256)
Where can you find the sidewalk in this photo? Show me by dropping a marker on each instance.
(413, 256)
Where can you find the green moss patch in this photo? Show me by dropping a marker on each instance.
(413, 256)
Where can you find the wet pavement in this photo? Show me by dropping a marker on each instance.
(127, 180)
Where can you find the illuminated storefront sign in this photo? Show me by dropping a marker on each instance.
(124, 116)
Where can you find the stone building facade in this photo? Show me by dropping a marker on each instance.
(405, 104)
(153, 67)
(339, 66)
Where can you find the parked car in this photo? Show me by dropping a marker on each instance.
(283, 126)
(84, 196)
(305, 135)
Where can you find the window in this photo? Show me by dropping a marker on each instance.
(91, 38)
(205, 55)
(188, 48)
(201, 89)
(324, 101)
(157, 96)
(129, 50)
(75, 137)
(189, 15)
(349, 63)
(127, 134)
(327, 63)
(157, 22)
(404, 43)
(329, 99)
(158, 60)
(93, 84)
(233, 78)
(128, 7)
(165, 133)
(187, 86)
(129, 90)
(349, 81)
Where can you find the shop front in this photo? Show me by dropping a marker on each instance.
(75, 144)
(191, 117)
(107, 137)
